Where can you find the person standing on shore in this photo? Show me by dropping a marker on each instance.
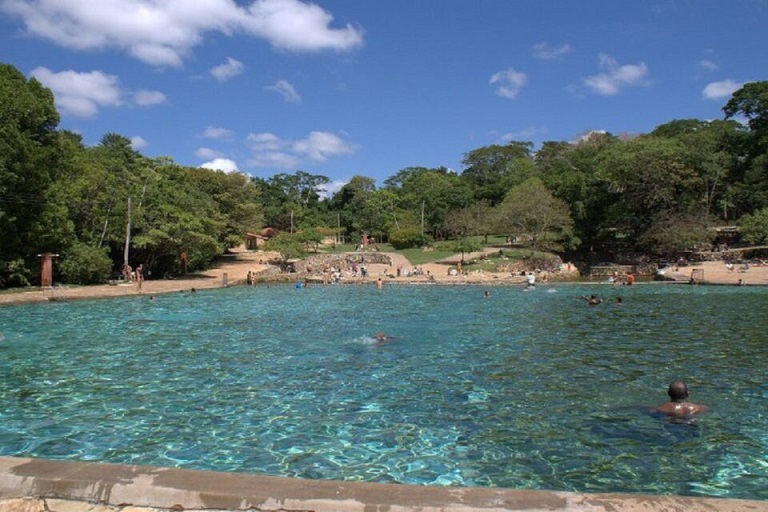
(139, 277)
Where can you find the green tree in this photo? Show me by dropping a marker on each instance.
(85, 264)
(288, 245)
(427, 195)
(491, 171)
(466, 245)
(531, 212)
(754, 227)
(476, 219)
(28, 165)
(673, 234)
(751, 101)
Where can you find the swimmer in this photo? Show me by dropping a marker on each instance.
(486, 294)
(619, 302)
(678, 406)
(592, 300)
(382, 338)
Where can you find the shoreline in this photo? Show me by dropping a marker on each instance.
(233, 273)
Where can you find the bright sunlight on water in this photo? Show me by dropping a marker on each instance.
(521, 389)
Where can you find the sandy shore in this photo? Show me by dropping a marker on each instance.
(232, 270)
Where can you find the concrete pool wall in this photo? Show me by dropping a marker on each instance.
(37, 485)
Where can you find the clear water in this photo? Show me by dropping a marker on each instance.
(523, 389)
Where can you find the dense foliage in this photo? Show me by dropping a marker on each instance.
(99, 207)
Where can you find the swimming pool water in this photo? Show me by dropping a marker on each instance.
(522, 389)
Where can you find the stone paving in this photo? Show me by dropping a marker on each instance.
(34, 485)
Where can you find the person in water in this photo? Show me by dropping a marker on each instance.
(592, 300)
(678, 405)
(382, 338)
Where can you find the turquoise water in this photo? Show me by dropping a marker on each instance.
(522, 389)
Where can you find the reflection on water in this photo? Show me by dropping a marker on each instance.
(526, 390)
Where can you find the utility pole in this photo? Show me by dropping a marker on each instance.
(127, 236)
(422, 217)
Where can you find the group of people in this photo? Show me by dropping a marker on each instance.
(134, 276)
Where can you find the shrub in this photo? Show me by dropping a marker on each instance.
(409, 237)
(84, 264)
(14, 273)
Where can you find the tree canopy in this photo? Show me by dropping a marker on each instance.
(655, 193)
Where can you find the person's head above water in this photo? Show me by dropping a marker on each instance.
(677, 391)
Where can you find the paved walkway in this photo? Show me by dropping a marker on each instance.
(32, 485)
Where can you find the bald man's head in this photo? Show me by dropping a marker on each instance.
(678, 391)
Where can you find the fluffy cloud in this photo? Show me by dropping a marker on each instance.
(207, 153)
(720, 90)
(286, 90)
(148, 98)
(221, 164)
(164, 32)
(82, 94)
(543, 51)
(229, 69)
(214, 132)
(269, 150)
(615, 77)
(138, 142)
(508, 82)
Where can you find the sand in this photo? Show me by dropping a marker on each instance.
(232, 270)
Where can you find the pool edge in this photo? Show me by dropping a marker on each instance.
(38, 485)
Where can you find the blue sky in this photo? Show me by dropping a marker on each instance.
(342, 87)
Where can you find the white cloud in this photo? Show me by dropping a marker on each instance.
(508, 82)
(207, 153)
(214, 132)
(269, 150)
(229, 69)
(524, 134)
(164, 32)
(285, 89)
(138, 142)
(145, 98)
(615, 77)
(720, 90)
(221, 164)
(708, 65)
(81, 94)
(327, 190)
(543, 51)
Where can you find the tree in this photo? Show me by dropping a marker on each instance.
(287, 245)
(475, 219)
(28, 165)
(311, 238)
(530, 211)
(492, 170)
(751, 101)
(754, 227)
(673, 234)
(465, 245)
(286, 198)
(429, 194)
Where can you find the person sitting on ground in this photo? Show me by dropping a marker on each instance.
(678, 405)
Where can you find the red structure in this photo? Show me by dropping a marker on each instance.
(46, 269)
